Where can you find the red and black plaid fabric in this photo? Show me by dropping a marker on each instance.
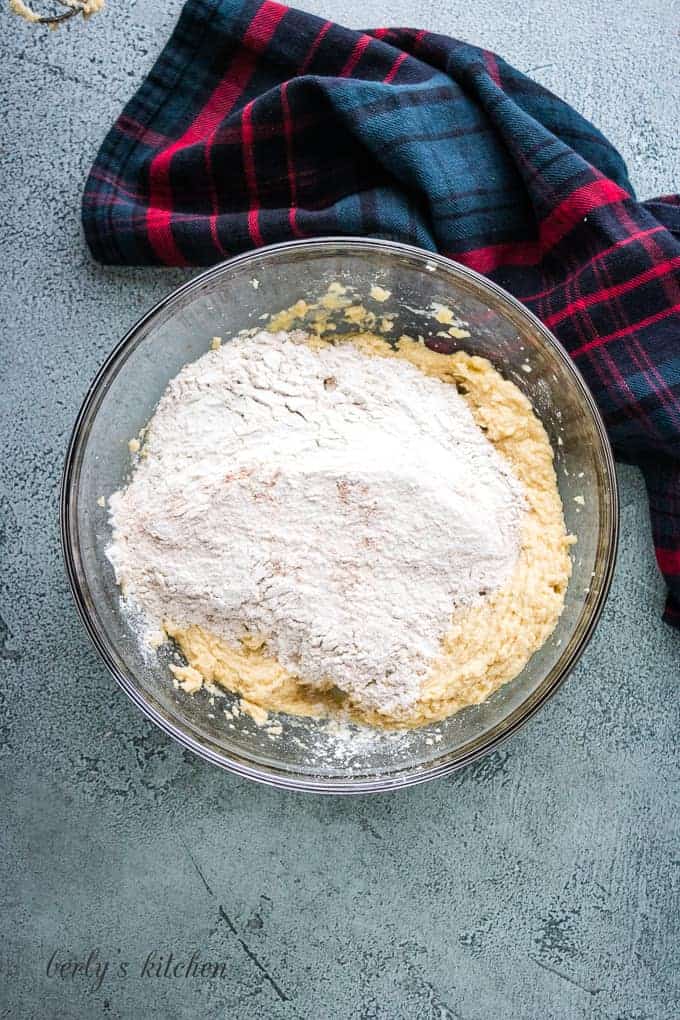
(260, 123)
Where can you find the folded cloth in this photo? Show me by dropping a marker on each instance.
(260, 123)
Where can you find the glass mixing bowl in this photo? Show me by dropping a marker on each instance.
(311, 755)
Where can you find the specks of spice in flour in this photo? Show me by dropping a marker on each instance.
(336, 505)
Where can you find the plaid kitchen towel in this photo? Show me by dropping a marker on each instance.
(260, 123)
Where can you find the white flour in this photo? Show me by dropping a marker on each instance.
(339, 504)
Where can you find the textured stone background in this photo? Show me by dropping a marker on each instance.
(540, 883)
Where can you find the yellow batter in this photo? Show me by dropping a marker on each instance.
(488, 644)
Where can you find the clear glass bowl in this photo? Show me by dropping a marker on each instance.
(310, 755)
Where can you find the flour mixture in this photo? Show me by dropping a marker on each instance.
(336, 529)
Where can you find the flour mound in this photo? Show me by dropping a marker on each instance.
(337, 504)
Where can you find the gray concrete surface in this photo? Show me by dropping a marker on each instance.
(543, 882)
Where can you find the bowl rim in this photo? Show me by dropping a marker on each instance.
(270, 775)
